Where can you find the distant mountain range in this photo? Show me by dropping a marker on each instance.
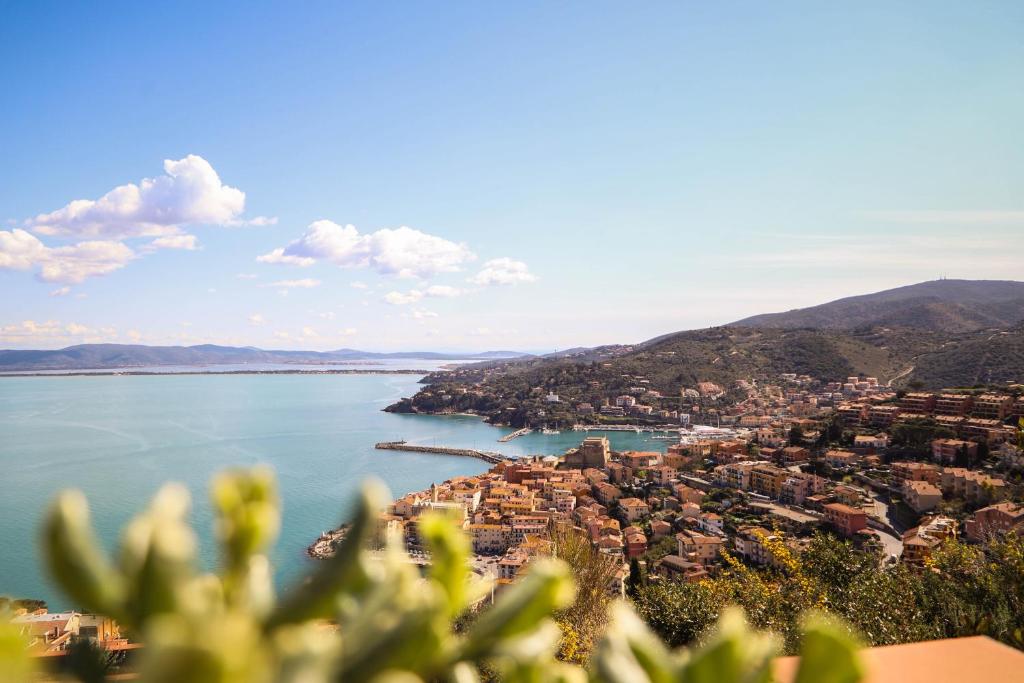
(939, 305)
(111, 356)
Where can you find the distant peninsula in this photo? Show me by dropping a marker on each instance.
(128, 356)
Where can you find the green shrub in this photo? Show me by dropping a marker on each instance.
(361, 618)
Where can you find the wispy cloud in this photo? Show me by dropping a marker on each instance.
(503, 271)
(953, 218)
(414, 295)
(304, 283)
(42, 334)
(186, 242)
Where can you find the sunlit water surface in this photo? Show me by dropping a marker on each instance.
(119, 437)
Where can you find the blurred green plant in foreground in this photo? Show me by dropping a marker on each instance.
(363, 618)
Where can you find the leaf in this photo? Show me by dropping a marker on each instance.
(75, 560)
(449, 553)
(316, 597)
(547, 587)
(733, 653)
(828, 654)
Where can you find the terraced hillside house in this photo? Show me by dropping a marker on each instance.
(994, 521)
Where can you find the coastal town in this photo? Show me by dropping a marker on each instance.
(895, 473)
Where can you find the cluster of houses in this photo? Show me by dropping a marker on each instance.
(980, 419)
(52, 634)
(749, 485)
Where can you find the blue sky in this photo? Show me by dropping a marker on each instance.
(567, 173)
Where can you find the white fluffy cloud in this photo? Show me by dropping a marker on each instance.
(20, 250)
(257, 319)
(75, 263)
(61, 291)
(402, 252)
(503, 271)
(189, 192)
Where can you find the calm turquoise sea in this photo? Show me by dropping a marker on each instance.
(118, 438)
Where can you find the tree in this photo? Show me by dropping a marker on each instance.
(637, 577)
(796, 435)
(593, 573)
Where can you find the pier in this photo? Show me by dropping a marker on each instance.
(624, 428)
(515, 435)
(492, 457)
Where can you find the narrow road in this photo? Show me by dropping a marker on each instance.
(901, 375)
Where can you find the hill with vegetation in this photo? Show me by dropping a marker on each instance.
(910, 346)
(939, 305)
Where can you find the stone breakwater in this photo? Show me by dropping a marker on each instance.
(324, 546)
(492, 457)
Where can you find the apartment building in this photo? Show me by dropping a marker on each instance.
(676, 568)
(798, 486)
(661, 474)
(916, 471)
(767, 479)
(711, 523)
(992, 406)
(918, 403)
(640, 460)
(882, 417)
(793, 455)
(989, 431)
(870, 443)
(688, 494)
(635, 543)
(606, 493)
(841, 459)
(845, 519)
(634, 509)
(956, 405)
(921, 496)
(852, 414)
(489, 539)
(948, 451)
(735, 475)
(700, 548)
(971, 485)
(921, 541)
(995, 520)
(751, 543)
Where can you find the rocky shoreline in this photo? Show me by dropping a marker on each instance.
(325, 546)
